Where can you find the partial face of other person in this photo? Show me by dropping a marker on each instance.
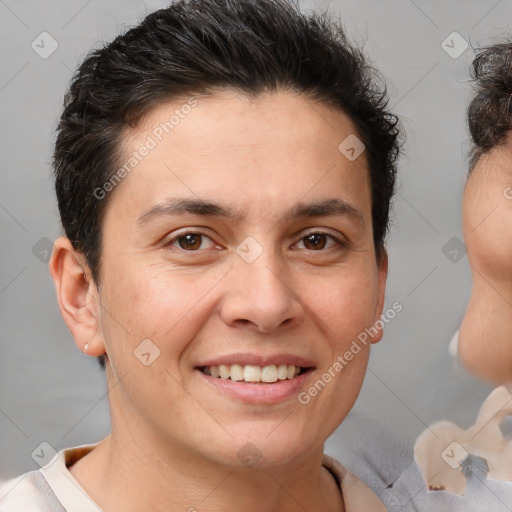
(485, 339)
(241, 241)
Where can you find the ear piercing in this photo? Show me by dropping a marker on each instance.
(86, 347)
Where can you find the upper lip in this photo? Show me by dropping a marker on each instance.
(258, 360)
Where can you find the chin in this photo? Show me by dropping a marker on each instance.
(259, 449)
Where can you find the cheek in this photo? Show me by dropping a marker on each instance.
(357, 293)
(149, 324)
(153, 303)
(487, 227)
(489, 243)
(345, 303)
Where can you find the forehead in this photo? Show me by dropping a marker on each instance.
(244, 151)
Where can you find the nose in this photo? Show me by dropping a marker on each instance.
(259, 296)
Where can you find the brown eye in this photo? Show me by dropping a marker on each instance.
(190, 241)
(318, 241)
(315, 241)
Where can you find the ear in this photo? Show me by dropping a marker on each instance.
(78, 296)
(382, 274)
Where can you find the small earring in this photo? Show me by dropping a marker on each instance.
(86, 346)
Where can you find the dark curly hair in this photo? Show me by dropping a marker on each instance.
(195, 47)
(490, 111)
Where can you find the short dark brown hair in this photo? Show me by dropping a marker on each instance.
(490, 111)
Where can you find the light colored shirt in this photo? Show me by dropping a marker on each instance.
(384, 461)
(54, 489)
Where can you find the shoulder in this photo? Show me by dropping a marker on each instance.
(470, 465)
(29, 491)
(51, 488)
(386, 462)
(356, 494)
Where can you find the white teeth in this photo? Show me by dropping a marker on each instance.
(224, 371)
(236, 372)
(269, 373)
(282, 372)
(252, 373)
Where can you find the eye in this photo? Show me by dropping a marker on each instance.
(192, 241)
(189, 241)
(317, 241)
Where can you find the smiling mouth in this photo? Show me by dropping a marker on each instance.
(254, 374)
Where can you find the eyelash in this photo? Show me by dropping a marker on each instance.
(168, 244)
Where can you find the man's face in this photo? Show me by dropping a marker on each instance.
(263, 287)
(485, 339)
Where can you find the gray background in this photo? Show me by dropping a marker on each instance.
(50, 391)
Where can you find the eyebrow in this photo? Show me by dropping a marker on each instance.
(179, 206)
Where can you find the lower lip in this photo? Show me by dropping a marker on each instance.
(259, 393)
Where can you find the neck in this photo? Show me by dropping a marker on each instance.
(130, 474)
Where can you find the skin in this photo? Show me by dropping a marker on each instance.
(174, 438)
(485, 338)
